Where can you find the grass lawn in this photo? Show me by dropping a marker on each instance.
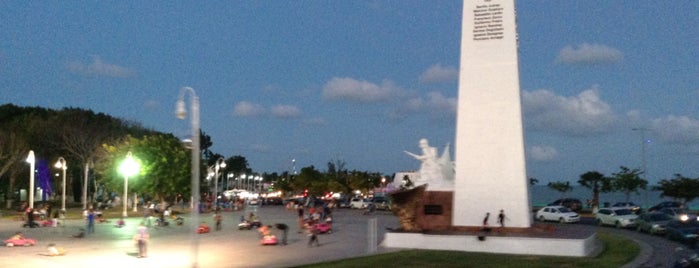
(618, 251)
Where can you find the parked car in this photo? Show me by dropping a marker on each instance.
(652, 222)
(359, 203)
(630, 205)
(665, 204)
(679, 213)
(382, 203)
(683, 231)
(571, 203)
(618, 217)
(557, 213)
(343, 203)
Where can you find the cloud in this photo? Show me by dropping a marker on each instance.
(99, 68)
(542, 153)
(438, 73)
(435, 105)
(358, 90)
(582, 115)
(247, 109)
(589, 54)
(676, 129)
(285, 111)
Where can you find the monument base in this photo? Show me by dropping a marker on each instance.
(436, 211)
(538, 240)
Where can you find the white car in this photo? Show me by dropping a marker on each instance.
(618, 217)
(557, 213)
(359, 203)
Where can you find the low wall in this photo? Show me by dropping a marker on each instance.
(494, 244)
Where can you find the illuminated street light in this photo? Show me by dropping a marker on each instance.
(31, 161)
(129, 167)
(181, 114)
(220, 163)
(61, 164)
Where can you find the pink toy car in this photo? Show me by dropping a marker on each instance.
(324, 228)
(20, 242)
(269, 240)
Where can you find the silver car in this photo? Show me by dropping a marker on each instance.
(618, 217)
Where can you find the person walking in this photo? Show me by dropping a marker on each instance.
(312, 234)
(90, 221)
(217, 219)
(300, 210)
(141, 238)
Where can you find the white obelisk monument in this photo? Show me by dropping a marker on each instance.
(489, 155)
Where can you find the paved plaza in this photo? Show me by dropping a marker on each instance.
(172, 246)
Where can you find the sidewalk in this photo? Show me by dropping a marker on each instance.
(174, 246)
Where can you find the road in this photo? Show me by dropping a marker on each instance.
(172, 246)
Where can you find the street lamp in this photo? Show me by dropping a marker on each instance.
(31, 161)
(129, 167)
(220, 163)
(181, 114)
(61, 164)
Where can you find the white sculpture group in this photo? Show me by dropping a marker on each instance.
(435, 171)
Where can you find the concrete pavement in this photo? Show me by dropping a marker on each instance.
(172, 246)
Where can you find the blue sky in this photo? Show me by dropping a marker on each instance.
(361, 81)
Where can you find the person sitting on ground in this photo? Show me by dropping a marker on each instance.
(55, 251)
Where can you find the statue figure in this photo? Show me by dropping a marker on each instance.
(436, 171)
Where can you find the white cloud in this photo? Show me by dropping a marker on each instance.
(285, 111)
(99, 68)
(247, 109)
(434, 104)
(439, 73)
(676, 129)
(581, 115)
(358, 90)
(542, 153)
(589, 54)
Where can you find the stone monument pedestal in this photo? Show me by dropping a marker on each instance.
(436, 210)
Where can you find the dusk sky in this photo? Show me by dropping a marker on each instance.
(362, 81)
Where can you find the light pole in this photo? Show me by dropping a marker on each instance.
(220, 163)
(181, 114)
(129, 167)
(31, 161)
(61, 164)
(643, 156)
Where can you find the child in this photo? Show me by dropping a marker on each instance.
(312, 234)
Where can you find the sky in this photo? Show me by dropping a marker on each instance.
(292, 84)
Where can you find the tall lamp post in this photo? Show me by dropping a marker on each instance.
(182, 114)
(129, 167)
(31, 161)
(220, 163)
(61, 164)
(643, 156)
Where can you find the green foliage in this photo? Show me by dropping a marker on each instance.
(560, 186)
(597, 182)
(628, 181)
(165, 165)
(680, 187)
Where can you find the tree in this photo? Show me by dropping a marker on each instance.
(680, 187)
(533, 181)
(165, 165)
(598, 183)
(560, 186)
(628, 181)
